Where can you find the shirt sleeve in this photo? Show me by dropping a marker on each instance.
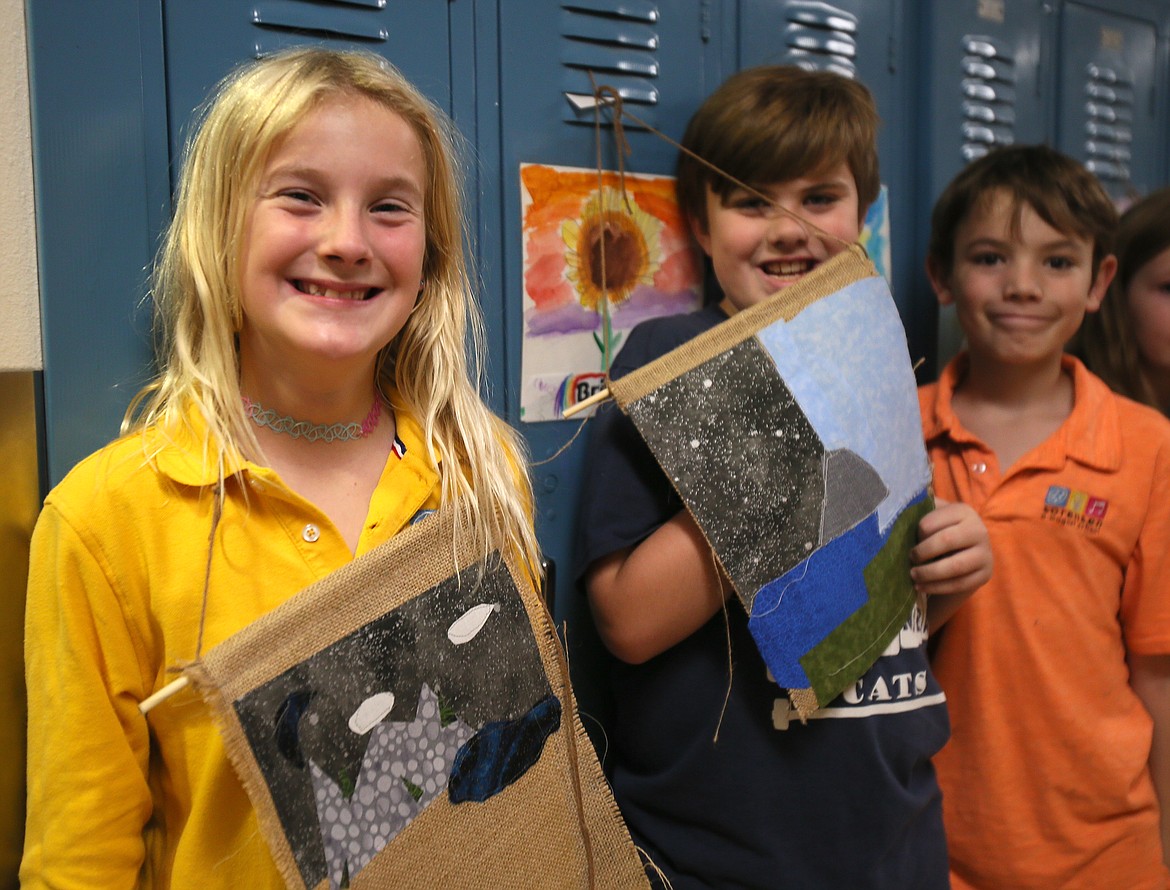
(88, 745)
(1145, 593)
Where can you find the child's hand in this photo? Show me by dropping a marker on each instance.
(953, 554)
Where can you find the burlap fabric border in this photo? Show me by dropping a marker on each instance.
(847, 267)
(555, 826)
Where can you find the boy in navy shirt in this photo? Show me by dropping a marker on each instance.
(717, 784)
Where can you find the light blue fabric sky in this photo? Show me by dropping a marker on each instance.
(845, 360)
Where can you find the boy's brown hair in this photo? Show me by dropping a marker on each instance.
(1059, 189)
(775, 123)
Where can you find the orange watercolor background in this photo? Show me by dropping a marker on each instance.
(558, 195)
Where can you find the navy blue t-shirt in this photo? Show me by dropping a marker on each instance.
(739, 794)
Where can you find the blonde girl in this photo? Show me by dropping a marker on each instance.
(315, 397)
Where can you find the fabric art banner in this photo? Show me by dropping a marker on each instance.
(650, 269)
(791, 431)
(407, 721)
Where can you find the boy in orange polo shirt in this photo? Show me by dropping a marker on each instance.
(1058, 672)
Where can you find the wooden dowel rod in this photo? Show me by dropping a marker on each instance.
(163, 694)
(600, 396)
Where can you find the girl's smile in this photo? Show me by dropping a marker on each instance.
(336, 291)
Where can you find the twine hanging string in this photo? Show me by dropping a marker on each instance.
(623, 147)
(561, 652)
(181, 682)
(608, 96)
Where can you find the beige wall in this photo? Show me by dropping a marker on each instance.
(20, 332)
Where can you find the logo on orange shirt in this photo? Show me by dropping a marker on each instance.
(1068, 506)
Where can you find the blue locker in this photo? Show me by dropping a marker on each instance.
(663, 59)
(987, 83)
(1086, 76)
(872, 41)
(1110, 96)
(97, 88)
(113, 90)
(201, 47)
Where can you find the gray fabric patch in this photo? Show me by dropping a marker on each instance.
(853, 491)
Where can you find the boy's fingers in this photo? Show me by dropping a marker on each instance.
(951, 582)
(951, 539)
(961, 571)
(964, 584)
(959, 561)
(950, 519)
(951, 528)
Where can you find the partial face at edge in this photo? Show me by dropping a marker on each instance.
(1148, 297)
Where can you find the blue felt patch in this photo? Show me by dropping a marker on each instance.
(502, 752)
(794, 613)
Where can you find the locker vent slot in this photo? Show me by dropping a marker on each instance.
(616, 40)
(988, 87)
(820, 37)
(352, 20)
(1109, 101)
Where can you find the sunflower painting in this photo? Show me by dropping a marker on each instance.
(596, 262)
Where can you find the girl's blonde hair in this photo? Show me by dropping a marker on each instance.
(435, 362)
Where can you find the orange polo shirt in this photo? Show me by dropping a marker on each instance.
(1045, 780)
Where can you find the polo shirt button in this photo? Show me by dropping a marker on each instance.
(979, 467)
(310, 533)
